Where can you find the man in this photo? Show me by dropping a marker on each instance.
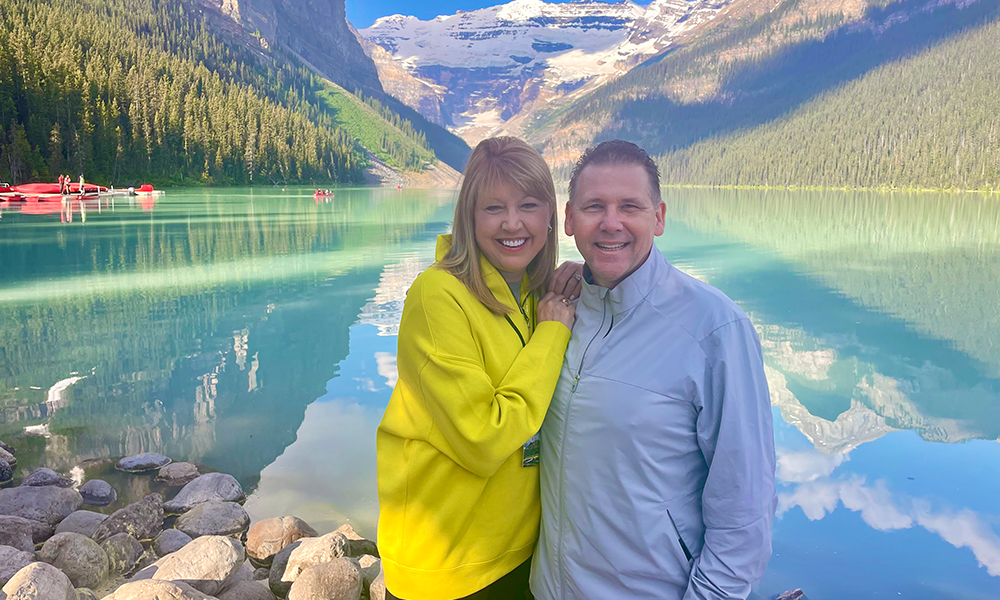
(657, 453)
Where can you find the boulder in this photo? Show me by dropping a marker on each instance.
(370, 567)
(261, 574)
(39, 581)
(13, 560)
(796, 594)
(85, 594)
(211, 487)
(214, 518)
(43, 476)
(7, 447)
(6, 472)
(178, 474)
(205, 564)
(123, 552)
(84, 522)
(299, 556)
(334, 580)
(246, 590)
(157, 590)
(16, 533)
(78, 556)
(9, 457)
(142, 520)
(140, 463)
(44, 507)
(98, 492)
(348, 532)
(269, 536)
(376, 591)
(171, 540)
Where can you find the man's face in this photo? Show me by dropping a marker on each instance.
(614, 220)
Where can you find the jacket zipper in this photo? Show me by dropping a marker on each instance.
(562, 452)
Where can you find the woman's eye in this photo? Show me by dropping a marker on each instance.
(493, 209)
(529, 205)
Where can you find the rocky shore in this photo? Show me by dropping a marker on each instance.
(193, 541)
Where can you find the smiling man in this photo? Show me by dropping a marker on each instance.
(657, 453)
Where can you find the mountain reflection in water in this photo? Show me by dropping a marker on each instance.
(253, 331)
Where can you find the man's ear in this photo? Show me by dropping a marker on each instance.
(568, 222)
(661, 218)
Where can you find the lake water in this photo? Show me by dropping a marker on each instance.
(253, 331)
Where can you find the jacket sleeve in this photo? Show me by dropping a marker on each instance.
(475, 423)
(735, 434)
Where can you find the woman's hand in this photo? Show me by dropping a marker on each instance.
(556, 307)
(568, 280)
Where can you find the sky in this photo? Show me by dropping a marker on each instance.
(362, 13)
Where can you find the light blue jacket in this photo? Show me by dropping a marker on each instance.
(657, 453)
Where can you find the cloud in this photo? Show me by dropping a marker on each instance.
(804, 466)
(885, 511)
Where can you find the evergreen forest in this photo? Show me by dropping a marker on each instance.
(130, 91)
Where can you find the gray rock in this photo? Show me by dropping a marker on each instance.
(171, 540)
(359, 548)
(370, 568)
(376, 591)
(16, 532)
(211, 487)
(98, 492)
(214, 518)
(40, 581)
(796, 594)
(178, 474)
(84, 522)
(43, 476)
(13, 560)
(45, 507)
(261, 574)
(78, 556)
(7, 447)
(140, 463)
(123, 551)
(334, 580)
(157, 590)
(85, 594)
(246, 590)
(205, 564)
(6, 472)
(269, 536)
(299, 556)
(9, 457)
(142, 520)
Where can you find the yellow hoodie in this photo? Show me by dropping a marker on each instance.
(457, 510)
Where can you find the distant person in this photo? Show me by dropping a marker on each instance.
(81, 185)
(481, 342)
(61, 186)
(657, 454)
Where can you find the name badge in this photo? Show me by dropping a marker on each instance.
(529, 453)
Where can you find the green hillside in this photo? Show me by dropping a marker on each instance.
(145, 90)
(903, 95)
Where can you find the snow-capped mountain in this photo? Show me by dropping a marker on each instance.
(492, 68)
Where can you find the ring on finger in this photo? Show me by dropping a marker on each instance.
(565, 301)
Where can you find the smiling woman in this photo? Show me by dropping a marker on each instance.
(459, 502)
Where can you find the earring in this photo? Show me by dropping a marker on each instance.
(550, 227)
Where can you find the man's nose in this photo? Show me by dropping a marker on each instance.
(610, 222)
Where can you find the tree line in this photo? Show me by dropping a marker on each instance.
(135, 90)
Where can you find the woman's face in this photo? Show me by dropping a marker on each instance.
(511, 229)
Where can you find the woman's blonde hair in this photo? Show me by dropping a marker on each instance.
(500, 161)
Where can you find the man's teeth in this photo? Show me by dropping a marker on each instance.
(608, 247)
(513, 243)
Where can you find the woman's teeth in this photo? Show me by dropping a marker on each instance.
(513, 243)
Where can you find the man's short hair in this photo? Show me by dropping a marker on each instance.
(618, 152)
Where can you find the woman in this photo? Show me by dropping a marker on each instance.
(479, 355)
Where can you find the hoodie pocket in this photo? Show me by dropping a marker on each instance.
(680, 539)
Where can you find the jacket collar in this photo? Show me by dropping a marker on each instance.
(632, 290)
(494, 279)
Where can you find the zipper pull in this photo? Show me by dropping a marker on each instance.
(576, 381)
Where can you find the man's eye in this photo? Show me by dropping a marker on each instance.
(630, 207)
(592, 207)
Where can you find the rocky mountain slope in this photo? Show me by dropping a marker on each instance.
(491, 70)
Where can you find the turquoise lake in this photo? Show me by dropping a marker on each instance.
(253, 331)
